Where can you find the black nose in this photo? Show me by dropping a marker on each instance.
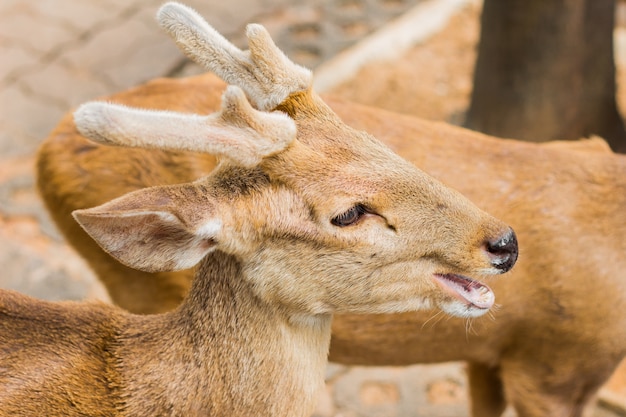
(503, 251)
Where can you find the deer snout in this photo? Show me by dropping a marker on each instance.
(503, 251)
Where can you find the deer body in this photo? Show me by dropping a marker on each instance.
(303, 217)
(557, 334)
(119, 364)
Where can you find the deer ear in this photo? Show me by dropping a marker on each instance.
(151, 230)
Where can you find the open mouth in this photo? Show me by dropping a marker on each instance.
(470, 292)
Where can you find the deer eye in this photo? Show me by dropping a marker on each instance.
(350, 217)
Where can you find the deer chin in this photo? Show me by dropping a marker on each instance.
(471, 298)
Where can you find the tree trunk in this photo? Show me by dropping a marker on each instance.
(545, 71)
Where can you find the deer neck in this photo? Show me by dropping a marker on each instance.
(233, 354)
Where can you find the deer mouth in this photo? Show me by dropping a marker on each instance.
(470, 292)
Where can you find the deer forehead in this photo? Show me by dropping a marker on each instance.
(337, 174)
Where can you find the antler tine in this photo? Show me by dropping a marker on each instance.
(238, 132)
(264, 72)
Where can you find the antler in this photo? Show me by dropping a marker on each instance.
(237, 132)
(264, 72)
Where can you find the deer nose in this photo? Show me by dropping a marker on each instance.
(503, 251)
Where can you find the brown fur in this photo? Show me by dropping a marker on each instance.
(270, 232)
(76, 359)
(558, 333)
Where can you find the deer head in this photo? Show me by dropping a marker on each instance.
(323, 218)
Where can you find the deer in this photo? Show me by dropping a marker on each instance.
(302, 217)
(557, 333)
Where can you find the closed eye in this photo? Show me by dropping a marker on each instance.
(350, 216)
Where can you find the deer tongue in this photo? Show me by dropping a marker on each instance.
(466, 290)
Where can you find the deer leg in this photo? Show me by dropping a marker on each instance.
(486, 392)
(533, 392)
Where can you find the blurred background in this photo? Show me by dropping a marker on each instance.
(56, 54)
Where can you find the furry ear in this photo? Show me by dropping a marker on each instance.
(152, 229)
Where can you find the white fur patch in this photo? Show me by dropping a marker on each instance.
(459, 309)
(210, 229)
